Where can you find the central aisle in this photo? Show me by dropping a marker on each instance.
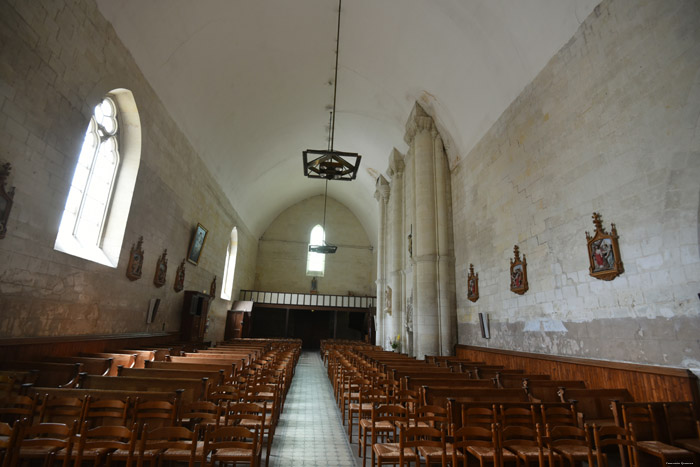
(310, 431)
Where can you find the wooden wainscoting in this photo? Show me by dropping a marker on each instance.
(644, 382)
(35, 348)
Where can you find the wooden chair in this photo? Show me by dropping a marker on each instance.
(170, 443)
(270, 404)
(62, 410)
(555, 415)
(369, 396)
(428, 442)
(570, 442)
(606, 436)
(17, 407)
(525, 442)
(641, 419)
(482, 417)
(96, 444)
(231, 444)
(250, 416)
(683, 427)
(154, 412)
(370, 425)
(8, 436)
(385, 415)
(481, 443)
(200, 413)
(517, 416)
(100, 412)
(351, 393)
(42, 441)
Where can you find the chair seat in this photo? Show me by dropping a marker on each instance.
(653, 447)
(575, 451)
(391, 451)
(175, 454)
(37, 451)
(486, 452)
(430, 452)
(528, 451)
(366, 407)
(232, 454)
(383, 425)
(691, 444)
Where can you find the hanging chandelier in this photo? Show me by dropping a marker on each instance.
(330, 164)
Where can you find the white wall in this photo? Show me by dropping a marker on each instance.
(609, 125)
(57, 60)
(283, 248)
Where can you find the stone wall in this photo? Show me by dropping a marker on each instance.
(283, 248)
(609, 125)
(57, 60)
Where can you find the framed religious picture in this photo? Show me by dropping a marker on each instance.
(6, 198)
(161, 269)
(180, 277)
(603, 251)
(133, 269)
(518, 273)
(212, 287)
(472, 285)
(197, 244)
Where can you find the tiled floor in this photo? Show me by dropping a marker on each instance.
(310, 431)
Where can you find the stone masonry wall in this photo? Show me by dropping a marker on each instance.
(283, 248)
(610, 125)
(57, 60)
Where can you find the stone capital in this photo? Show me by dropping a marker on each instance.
(382, 189)
(396, 163)
(418, 121)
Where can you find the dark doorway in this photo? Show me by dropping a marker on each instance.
(311, 326)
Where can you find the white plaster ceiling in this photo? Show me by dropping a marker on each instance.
(249, 82)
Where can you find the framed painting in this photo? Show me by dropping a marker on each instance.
(604, 251)
(518, 273)
(472, 285)
(179, 277)
(197, 244)
(161, 269)
(135, 266)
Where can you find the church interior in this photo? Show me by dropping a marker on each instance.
(521, 190)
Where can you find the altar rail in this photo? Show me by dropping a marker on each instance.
(307, 299)
(644, 382)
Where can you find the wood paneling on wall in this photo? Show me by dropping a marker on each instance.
(36, 348)
(644, 382)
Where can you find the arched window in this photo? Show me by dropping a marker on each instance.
(94, 216)
(230, 266)
(316, 262)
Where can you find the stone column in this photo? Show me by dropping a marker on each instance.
(420, 131)
(396, 171)
(381, 194)
(445, 250)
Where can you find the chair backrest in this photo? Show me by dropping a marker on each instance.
(230, 437)
(106, 437)
(521, 435)
(41, 436)
(568, 435)
(611, 435)
(200, 412)
(517, 416)
(479, 416)
(101, 412)
(238, 413)
(641, 418)
(680, 421)
(17, 407)
(477, 436)
(168, 437)
(62, 410)
(393, 413)
(154, 412)
(421, 436)
(557, 415)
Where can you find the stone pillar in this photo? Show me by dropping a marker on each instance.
(420, 131)
(381, 194)
(445, 250)
(396, 171)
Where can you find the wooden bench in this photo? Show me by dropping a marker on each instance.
(229, 369)
(246, 358)
(194, 389)
(49, 374)
(544, 390)
(509, 380)
(141, 356)
(436, 395)
(91, 365)
(100, 394)
(594, 405)
(416, 382)
(216, 378)
(239, 364)
(125, 360)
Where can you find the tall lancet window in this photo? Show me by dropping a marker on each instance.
(316, 262)
(94, 216)
(230, 265)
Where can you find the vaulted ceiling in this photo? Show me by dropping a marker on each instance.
(249, 82)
